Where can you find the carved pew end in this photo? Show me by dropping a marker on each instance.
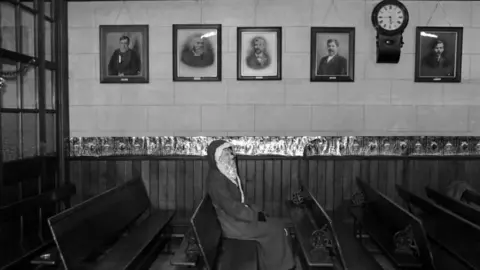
(358, 199)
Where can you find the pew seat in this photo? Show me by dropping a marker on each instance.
(460, 237)
(216, 251)
(309, 217)
(381, 219)
(381, 236)
(464, 210)
(114, 230)
(180, 258)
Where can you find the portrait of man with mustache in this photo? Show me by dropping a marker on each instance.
(436, 62)
(333, 64)
(258, 57)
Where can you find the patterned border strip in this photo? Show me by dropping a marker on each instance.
(280, 146)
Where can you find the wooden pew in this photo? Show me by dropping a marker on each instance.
(315, 235)
(18, 209)
(217, 252)
(472, 198)
(399, 235)
(462, 209)
(188, 252)
(118, 221)
(458, 236)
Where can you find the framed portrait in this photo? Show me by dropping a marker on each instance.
(438, 54)
(124, 54)
(197, 52)
(259, 53)
(332, 54)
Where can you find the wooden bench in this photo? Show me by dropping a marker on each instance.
(399, 235)
(472, 198)
(217, 252)
(460, 237)
(464, 210)
(188, 252)
(315, 236)
(114, 230)
(16, 210)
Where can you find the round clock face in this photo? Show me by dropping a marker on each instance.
(390, 17)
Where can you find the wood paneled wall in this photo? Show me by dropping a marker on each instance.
(178, 182)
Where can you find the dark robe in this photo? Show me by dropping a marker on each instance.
(336, 67)
(129, 65)
(204, 60)
(433, 66)
(239, 220)
(254, 63)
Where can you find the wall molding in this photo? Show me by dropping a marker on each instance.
(300, 146)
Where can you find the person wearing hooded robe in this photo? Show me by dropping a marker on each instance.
(240, 220)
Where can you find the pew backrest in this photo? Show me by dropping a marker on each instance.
(456, 206)
(398, 219)
(472, 197)
(85, 229)
(208, 231)
(446, 226)
(321, 218)
(383, 208)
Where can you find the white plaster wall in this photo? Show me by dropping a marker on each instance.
(383, 100)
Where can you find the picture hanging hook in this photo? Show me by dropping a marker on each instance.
(437, 5)
(335, 9)
(123, 7)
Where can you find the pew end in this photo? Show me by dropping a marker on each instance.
(114, 230)
(392, 231)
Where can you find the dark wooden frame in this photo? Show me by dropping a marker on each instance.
(18, 178)
(351, 54)
(218, 53)
(278, 31)
(458, 55)
(104, 78)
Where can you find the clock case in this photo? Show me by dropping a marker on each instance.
(389, 42)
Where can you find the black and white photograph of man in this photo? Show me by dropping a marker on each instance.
(196, 52)
(258, 53)
(124, 53)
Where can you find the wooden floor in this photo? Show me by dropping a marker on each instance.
(353, 252)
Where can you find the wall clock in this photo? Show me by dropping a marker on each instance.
(389, 18)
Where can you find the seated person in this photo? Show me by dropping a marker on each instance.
(240, 220)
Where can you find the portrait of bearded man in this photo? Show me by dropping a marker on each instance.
(197, 52)
(258, 57)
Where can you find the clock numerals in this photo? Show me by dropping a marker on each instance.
(390, 17)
